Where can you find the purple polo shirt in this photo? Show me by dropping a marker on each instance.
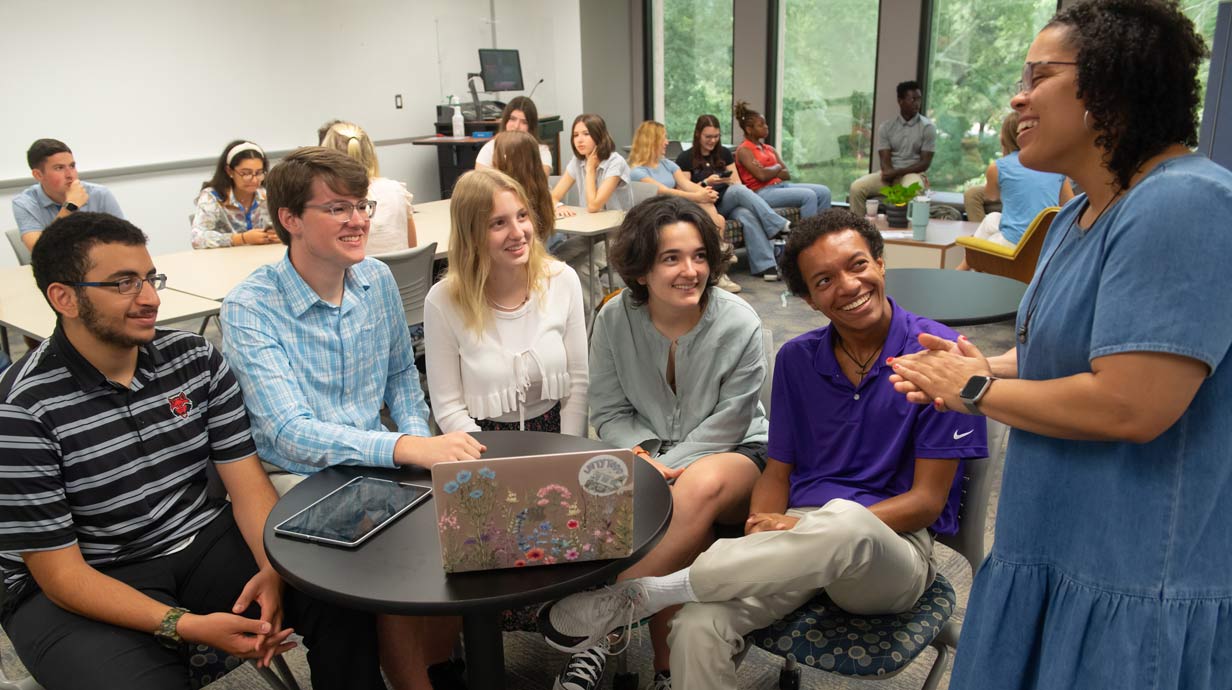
(860, 443)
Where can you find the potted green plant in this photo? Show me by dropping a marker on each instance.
(897, 197)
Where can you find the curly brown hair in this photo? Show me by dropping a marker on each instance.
(1137, 75)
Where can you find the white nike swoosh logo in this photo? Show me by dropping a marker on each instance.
(958, 435)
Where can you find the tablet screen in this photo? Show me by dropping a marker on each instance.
(353, 512)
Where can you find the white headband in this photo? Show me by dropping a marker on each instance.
(240, 148)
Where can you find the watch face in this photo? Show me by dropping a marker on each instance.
(975, 384)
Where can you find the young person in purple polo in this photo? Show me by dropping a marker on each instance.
(857, 485)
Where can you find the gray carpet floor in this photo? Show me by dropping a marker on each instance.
(532, 665)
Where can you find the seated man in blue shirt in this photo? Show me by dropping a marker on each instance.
(857, 484)
(319, 341)
(58, 193)
(113, 552)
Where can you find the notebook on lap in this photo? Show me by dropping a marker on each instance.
(534, 510)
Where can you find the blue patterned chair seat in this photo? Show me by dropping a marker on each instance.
(733, 232)
(821, 635)
(206, 665)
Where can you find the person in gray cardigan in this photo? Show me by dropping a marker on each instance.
(676, 369)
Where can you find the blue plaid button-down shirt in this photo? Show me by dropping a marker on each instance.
(314, 375)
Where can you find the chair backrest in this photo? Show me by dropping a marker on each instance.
(19, 247)
(976, 488)
(570, 196)
(674, 149)
(412, 269)
(642, 191)
(767, 343)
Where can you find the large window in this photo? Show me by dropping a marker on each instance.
(697, 63)
(829, 65)
(1203, 14)
(975, 57)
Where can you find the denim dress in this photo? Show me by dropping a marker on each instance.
(1112, 564)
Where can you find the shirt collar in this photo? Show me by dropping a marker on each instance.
(41, 195)
(88, 376)
(301, 297)
(826, 363)
(908, 123)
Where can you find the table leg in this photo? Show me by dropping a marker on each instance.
(485, 650)
(609, 268)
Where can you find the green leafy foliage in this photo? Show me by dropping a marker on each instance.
(697, 64)
(899, 195)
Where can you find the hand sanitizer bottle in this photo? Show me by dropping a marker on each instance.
(459, 126)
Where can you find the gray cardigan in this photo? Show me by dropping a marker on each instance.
(720, 366)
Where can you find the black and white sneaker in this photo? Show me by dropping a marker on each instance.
(662, 681)
(584, 670)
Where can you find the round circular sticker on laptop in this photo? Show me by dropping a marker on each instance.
(603, 475)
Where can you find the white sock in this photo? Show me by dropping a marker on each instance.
(668, 590)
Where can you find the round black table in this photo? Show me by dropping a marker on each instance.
(955, 298)
(399, 571)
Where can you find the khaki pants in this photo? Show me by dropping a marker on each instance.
(871, 184)
(282, 480)
(748, 583)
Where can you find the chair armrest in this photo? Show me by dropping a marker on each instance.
(989, 247)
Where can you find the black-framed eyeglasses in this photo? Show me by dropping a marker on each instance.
(249, 174)
(125, 286)
(341, 210)
(1025, 84)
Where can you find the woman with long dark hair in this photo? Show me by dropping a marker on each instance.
(231, 209)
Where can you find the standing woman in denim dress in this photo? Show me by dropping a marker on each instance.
(1110, 567)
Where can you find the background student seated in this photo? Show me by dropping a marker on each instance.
(1023, 192)
(519, 115)
(905, 145)
(57, 191)
(393, 223)
(231, 208)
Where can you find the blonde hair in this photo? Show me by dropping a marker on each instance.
(517, 155)
(647, 142)
(351, 139)
(470, 210)
(1009, 133)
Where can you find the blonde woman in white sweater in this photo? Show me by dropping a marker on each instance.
(504, 331)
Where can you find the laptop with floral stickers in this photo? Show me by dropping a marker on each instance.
(534, 510)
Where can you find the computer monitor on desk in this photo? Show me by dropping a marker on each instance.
(501, 69)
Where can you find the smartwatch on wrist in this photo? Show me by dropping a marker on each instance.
(166, 634)
(974, 391)
(72, 208)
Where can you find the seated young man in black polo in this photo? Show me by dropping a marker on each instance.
(111, 551)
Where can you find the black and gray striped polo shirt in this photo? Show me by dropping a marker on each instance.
(119, 471)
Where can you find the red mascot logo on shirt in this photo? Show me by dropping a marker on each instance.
(180, 404)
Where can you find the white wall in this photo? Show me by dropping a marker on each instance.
(135, 82)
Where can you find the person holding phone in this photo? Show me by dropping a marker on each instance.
(711, 164)
(231, 209)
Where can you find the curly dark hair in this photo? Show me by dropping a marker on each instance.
(905, 87)
(806, 232)
(1137, 75)
(636, 248)
(62, 253)
(745, 115)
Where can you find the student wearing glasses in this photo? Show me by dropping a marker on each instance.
(231, 209)
(319, 343)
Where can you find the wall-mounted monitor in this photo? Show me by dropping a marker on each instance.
(501, 69)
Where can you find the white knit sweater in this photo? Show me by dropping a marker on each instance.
(478, 376)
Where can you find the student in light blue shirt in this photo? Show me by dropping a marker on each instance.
(58, 191)
(318, 342)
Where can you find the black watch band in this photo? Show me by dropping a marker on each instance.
(71, 207)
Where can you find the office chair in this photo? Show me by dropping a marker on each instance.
(823, 636)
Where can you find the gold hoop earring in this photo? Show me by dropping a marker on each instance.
(1085, 115)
